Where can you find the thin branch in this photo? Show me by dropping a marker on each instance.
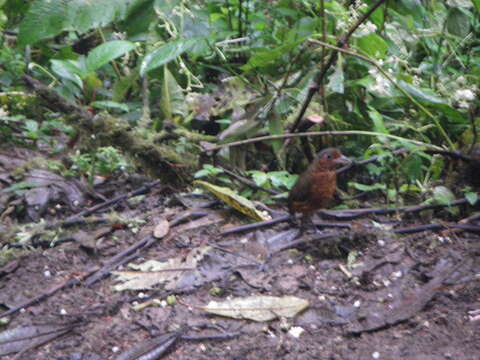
(333, 57)
(37, 299)
(320, 133)
(389, 78)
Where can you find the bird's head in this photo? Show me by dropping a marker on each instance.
(329, 158)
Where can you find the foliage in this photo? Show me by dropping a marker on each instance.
(104, 161)
(411, 69)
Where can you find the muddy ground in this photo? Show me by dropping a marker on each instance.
(372, 294)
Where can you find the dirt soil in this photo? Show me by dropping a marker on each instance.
(372, 294)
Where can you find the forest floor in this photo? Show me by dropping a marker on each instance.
(371, 294)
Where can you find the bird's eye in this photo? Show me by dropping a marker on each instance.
(329, 156)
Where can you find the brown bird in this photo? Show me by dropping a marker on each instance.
(316, 186)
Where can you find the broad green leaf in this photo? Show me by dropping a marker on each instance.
(363, 187)
(109, 105)
(436, 167)
(443, 195)
(165, 53)
(282, 178)
(378, 17)
(412, 167)
(458, 22)
(44, 19)
(275, 126)
(377, 119)
(373, 46)
(260, 178)
(107, 52)
(267, 57)
(172, 101)
(47, 18)
(472, 197)
(476, 3)
(233, 200)
(69, 69)
(421, 94)
(336, 81)
(85, 15)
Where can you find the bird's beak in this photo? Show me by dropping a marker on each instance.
(342, 160)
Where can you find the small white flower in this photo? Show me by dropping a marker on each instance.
(3, 112)
(366, 29)
(464, 95)
(296, 331)
(376, 355)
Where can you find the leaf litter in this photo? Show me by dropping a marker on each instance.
(394, 283)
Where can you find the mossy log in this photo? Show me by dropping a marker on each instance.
(154, 159)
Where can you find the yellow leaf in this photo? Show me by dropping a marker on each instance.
(234, 200)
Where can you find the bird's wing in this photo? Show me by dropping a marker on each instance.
(301, 190)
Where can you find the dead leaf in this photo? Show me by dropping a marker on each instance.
(161, 229)
(258, 308)
(234, 200)
(153, 272)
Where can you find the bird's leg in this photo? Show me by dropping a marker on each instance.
(306, 222)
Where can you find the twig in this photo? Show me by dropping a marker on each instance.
(403, 91)
(257, 225)
(310, 239)
(356, 213)
(51, 292)
(333, 57)
(431, 227)
(225, 336)
(118, 259)
(320, 133)
(142, 190)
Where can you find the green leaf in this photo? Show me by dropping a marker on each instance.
(47, 18)
(443, 195)
(172, 101)
(260, 178)
(476, 3)
(275, 126)
(266, 57)
(165, 53)
(107, 52)
(472, 197)
(44, 19)
(336, 81)
(421, 94)
(373, 46)
(109, 105)
(412, 167)
(378, 17)
(282, 179)
(69, 69)
(21, 186)
(458, 22)
(377, 118)
(363, 187)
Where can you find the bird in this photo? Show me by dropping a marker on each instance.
(315, 187)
